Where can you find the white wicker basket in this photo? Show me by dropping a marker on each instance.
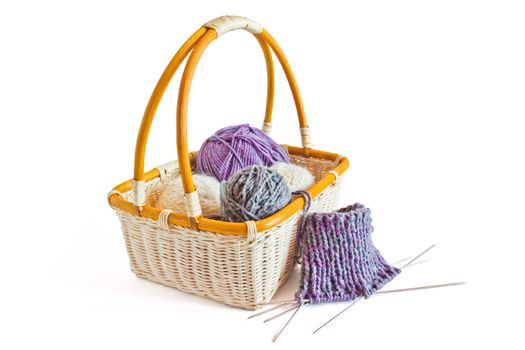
(239, 264)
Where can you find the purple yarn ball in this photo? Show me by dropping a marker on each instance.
(235, 147)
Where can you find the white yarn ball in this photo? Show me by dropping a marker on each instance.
(172, 196)
(296, 177)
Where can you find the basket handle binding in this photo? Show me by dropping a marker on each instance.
(225, 24)
(197, 43)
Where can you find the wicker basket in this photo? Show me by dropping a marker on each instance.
(239, 264)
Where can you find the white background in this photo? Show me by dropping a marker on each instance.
(426, 98)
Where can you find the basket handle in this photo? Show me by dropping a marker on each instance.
(198, 43)
(158, 92)
(225, 24)
(191, 196)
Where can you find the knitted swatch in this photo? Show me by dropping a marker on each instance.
(339, 260)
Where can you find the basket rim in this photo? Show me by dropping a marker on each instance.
(118, 202)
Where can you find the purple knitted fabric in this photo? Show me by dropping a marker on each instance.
(339, 260)
(235, 147)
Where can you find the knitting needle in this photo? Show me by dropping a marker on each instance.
(360, 298)
(286, 302)
(333, 318)
(296, 308)
(431, 286)
(417, 257)
(268, 310)
(417, 263)
(421, 287)
(287, 322)
(409, 289)
(393, 291)
(279, 302)
(282, 313)
(400, 261)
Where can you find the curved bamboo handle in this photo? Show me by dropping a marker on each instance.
(225, 24)
(192, 202)
(158, 92)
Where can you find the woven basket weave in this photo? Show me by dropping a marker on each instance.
(239, 264)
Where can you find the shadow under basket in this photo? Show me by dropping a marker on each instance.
(237, 263)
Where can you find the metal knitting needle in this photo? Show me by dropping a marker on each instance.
(378, 292)
(405, 259)
(417, 263)
(432, 286)
(360, 298)
(417, 257)
(333, 318)
(412, 265)
(393, 291)
(279, 302)
(268, 310)
(287, 322)
(282, 313)
(410, 289)
(400, 261)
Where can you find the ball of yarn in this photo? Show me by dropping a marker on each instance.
(297, 178)
(254, 193)
(172, 196)
(235, 147)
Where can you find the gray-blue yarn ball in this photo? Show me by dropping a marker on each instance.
(253, 193)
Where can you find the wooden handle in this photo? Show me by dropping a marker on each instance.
(196, 44)
(158, 92)
(184, 90)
